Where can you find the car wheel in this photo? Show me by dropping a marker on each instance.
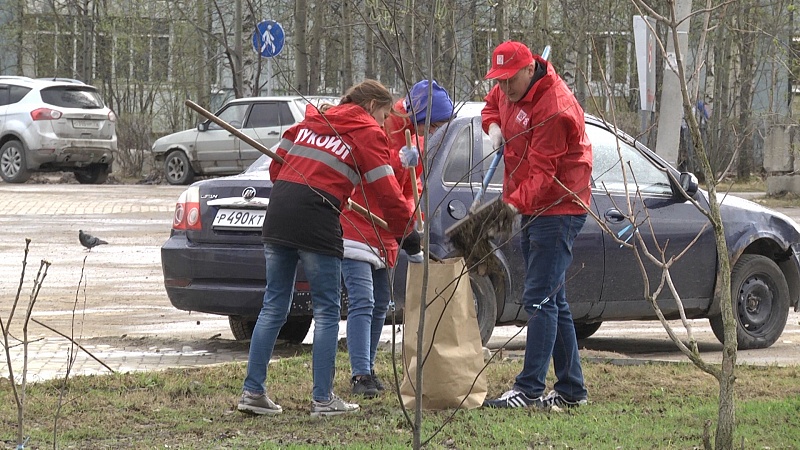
(584, 330)
(242, 329)
(94, 174)
(294, 330)
(13, 168)
(177, 168)
(485, 304)
(760, 297)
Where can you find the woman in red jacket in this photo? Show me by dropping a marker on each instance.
(325, 157)
(370, 252)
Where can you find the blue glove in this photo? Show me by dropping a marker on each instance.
(409, 156)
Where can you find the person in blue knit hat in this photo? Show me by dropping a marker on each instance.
(416, 103)
(369, 254)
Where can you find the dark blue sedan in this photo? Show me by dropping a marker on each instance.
(213, 261)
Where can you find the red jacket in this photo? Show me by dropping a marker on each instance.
(337, 151)
(546, 140)
(354, 226)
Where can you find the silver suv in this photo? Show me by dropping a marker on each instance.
(49, 125)
(211, 150)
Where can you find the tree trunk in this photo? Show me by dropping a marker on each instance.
(726, 414)
(347, 46)
(720, 134)
(449, 57)
(746, 39)
(236, 57)
(251, 62)
(300, 47)
(407, 54)
(315, 49)
(500, 26)
(726, 408)
(369, 50)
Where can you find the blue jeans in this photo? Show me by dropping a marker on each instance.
(368, 295)
(324, 276)
(547, 249)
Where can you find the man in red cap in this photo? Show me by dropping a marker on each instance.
(548, 163)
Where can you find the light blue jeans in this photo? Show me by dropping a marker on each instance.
(368, 297)
(324, 276)
(547, 249)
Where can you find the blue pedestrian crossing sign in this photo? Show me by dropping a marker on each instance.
(268, 39)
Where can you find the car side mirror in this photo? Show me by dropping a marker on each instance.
(689, 183)
(202, 126)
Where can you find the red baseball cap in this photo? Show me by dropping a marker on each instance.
(507, 59)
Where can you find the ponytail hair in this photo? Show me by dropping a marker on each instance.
(366, 92)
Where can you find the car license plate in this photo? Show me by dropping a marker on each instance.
(85, 124)
(239, 218)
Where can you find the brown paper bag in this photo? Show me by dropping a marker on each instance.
(452, 350)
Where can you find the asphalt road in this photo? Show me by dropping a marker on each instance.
(117, 289)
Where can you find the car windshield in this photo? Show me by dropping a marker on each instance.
(72, 97)
(260, 165)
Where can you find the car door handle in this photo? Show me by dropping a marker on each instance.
(613, 215)
(272, 133)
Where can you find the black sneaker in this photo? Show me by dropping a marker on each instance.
(511, 399)
(378, 384)
(553, 398)
(364, 385)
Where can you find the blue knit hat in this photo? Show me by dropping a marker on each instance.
(416, 103)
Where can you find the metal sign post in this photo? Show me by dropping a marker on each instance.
(268, 40)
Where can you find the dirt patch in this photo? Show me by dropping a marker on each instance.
(211, 345)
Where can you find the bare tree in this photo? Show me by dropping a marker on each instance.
(725, 374)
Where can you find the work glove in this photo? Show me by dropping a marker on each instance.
(411, 244)
(409, 156)
(496, 136)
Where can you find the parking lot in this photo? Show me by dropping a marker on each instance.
(113, 296)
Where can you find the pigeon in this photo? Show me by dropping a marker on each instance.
(89, 241)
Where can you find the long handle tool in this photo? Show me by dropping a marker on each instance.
(487, 178)
(414, 188)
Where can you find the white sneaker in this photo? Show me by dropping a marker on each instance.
(333, 407)
(258, 404)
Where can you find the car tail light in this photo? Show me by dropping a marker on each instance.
(45, 114)
(187, 211)
(112, 117)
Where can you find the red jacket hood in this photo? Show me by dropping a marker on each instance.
(343, 119)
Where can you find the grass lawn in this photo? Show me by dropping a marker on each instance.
(631, 407)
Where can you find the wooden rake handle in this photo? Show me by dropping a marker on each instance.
(414, 187)
(263, 149)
